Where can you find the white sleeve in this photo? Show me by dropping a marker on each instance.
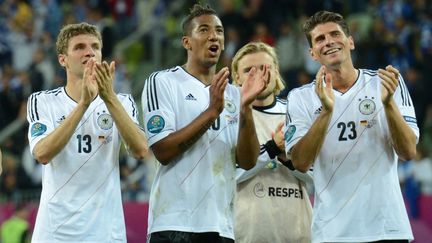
(406, 106)
(130, 106)
(38, 117)
(297, 122)
(157, 104)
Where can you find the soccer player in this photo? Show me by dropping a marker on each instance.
(76, 131)
(199, 127)
(269, 195)
(353, 125)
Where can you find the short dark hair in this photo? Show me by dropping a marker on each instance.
(323, 17)
(196, 11)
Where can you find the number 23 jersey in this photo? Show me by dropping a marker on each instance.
(355, 173)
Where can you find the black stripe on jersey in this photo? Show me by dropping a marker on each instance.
(370, 72)
(262, 149)
(288, 117)
(152, 102)
(273, 113)
(174, 69)
(54, 90)
(30, 108)
(35, 106)
(154, 91)
(58, 92)
(404, 93)
(280, 100)
(133, 105)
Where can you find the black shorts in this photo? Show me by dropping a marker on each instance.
(186, 237)
(391, 241)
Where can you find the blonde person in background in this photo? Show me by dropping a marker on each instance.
(272, 203)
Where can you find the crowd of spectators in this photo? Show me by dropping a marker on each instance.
(396, 32)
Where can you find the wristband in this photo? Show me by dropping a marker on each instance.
(272, 149)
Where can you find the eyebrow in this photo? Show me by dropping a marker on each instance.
(81, 44)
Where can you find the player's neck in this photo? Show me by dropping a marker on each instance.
(344, 78)
(264, 102)
(74, 88)
(202, 73)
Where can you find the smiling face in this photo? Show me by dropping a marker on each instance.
(79, 51)
(330, 45)
(205, 41)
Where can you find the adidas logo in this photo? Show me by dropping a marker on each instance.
(190, 97)
(318, 111)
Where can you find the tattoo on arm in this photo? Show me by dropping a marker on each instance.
(187, 144)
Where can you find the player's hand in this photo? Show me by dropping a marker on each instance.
(89, 85)
(105, 78)
(325, 94)
(255, 83)
(278, 136)
(217, 90)
(389, 82)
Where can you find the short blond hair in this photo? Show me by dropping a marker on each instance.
(255, 47)
(72, 30)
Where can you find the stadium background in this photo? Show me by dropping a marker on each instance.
(144, 35)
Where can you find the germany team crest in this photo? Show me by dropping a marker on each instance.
(367, 106)
(105, 121)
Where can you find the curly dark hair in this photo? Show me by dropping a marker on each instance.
(196, 11)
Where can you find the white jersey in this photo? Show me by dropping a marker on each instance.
(81, 198)
(357, 193)
(269, 195)
(195, 192)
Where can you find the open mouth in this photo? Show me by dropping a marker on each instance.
(332, 51)
(214, 49)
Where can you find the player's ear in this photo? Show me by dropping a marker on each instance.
(351, 42)
(61, 59)
(186, 43)
(313, 55)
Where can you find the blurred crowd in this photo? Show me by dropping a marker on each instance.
(396, 32)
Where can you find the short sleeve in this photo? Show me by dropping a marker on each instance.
(298, 121)
(158, 110)
(130, 106)
(38, 117)
(406, 106)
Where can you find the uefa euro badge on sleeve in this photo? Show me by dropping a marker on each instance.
(289, 132)
(38, 129)
(155, 124)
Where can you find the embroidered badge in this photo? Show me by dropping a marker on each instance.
(289, 132)
(155, 124)
(105, 121)
(38, 129)
(367, 106)
(229, 106)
